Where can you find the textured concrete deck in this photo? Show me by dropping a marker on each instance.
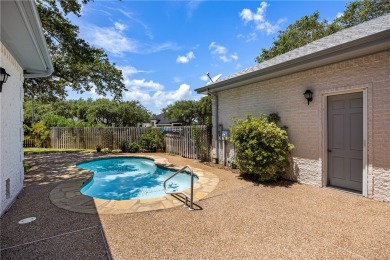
(238, 220)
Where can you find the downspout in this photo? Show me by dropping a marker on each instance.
(216, 124)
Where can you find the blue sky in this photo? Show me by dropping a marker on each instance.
(165, 48)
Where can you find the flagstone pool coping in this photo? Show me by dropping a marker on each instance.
(67, 194)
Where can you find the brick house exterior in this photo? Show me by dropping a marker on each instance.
(355, 60)
(24, 54)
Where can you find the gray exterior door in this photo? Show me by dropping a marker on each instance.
(345, 141)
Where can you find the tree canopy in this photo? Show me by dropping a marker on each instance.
(189, 111)
(309, 28)
(363, 10)
(77, 64)
(85, 113)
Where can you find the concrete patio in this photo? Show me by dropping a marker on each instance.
(237, 220)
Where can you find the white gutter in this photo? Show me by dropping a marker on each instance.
(37, 38)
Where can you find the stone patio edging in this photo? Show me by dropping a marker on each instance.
(67, 194)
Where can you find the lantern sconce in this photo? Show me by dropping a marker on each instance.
(3, 77)
(308, 95)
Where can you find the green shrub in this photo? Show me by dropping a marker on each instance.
(41, 134)
(261, 147)
(152, 139)
(133, 148)
(106, 150)
(123, 146)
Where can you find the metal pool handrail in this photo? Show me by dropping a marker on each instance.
(187, 196)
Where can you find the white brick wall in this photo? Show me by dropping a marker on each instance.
(11, 130)
(285, 96)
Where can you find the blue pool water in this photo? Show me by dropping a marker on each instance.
(130, 178)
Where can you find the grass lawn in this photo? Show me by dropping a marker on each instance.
(50, 150)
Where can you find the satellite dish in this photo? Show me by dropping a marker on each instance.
(214, 79)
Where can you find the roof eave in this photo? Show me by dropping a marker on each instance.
(360, 47)
(41, 41)
(28, 17)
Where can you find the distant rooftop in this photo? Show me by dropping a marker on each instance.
(161, 120)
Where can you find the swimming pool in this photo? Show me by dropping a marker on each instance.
(127, 178)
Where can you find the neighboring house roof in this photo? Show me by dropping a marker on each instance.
(161, 120)
(22, 35)
(365, 38)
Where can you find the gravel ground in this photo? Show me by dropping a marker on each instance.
(238, 220)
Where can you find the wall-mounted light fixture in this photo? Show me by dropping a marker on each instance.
(3, 77)
(308, 95)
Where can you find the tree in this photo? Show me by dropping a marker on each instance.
(204, 110)
(309, 28)
(300, 33)
(76, 64)
(183, 111)
(131, 113)
(80, 112)
(189, 111)
(34, 110)
(110, 112)
(360, 11)
(102, 111)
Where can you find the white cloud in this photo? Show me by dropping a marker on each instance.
(238, 66)
(222, 52)
(185, 59)
(162, 47)
(177, 79)
(110, 39)
(247, 15)
(259, 20)
(217, 49)
(113, 40)
(163, 98)
(139, 22)
(128, 71)
(204, 78)
(136, 94)
(153, 94)
(249, 37)
(120, 26)
(192, 6)
(339, 14)
(224, 58)
(145, 85)
(95, 95)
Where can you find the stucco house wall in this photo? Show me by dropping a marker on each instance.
(284, 95)
(11, 131)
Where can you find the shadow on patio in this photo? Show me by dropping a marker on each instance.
(239, 220)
